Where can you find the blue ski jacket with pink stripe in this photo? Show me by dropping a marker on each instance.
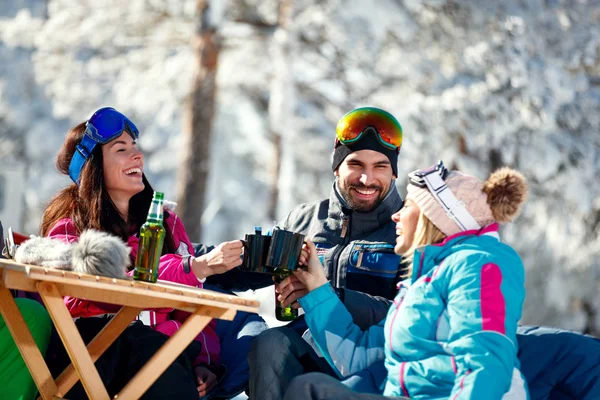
(451, 331)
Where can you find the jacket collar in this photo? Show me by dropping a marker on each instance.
(362, 222)
(427, 257)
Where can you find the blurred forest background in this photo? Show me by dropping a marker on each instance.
(237, 103)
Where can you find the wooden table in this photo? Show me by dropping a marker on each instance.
(52, 285)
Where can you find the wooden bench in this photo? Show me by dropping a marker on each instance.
(52, 285)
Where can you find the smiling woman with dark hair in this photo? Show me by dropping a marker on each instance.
(88, 203)
(110, 193)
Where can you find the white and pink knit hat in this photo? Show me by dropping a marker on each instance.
(498, 199)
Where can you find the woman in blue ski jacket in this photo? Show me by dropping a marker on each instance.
(451, 331)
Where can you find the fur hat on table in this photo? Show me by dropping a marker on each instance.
(96, 253)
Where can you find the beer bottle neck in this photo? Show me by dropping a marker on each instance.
(282, 272)
(155, 214)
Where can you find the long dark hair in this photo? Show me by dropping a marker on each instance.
(89, 206)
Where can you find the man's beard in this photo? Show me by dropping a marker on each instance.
(359, 205)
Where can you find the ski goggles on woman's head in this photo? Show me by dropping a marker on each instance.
(104, 126)
(417, 178)
(352, 126)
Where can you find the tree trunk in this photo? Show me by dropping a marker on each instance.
(193, 171)
(281, 108)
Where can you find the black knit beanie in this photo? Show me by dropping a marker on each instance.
(368, 141)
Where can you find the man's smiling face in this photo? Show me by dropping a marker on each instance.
(364, 179)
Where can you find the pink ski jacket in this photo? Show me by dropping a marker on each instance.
(170, 269)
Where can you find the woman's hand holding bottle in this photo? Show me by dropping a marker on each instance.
(313, 276)
(289, 291)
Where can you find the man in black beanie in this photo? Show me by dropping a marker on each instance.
(353, 228)
(355, 238)
(362, 189)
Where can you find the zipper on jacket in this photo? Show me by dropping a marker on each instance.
(381, 250)
(341, 246)
(345, 222)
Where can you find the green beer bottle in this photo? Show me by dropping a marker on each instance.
(152, 236)
(283, 313)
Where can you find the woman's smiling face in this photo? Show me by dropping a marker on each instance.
(123, 164)
(406, 225)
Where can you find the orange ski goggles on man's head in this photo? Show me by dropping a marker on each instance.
(352, 126)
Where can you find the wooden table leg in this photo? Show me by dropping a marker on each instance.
(159, 362)
(98, 346)
(72, 341)
(26, 344)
